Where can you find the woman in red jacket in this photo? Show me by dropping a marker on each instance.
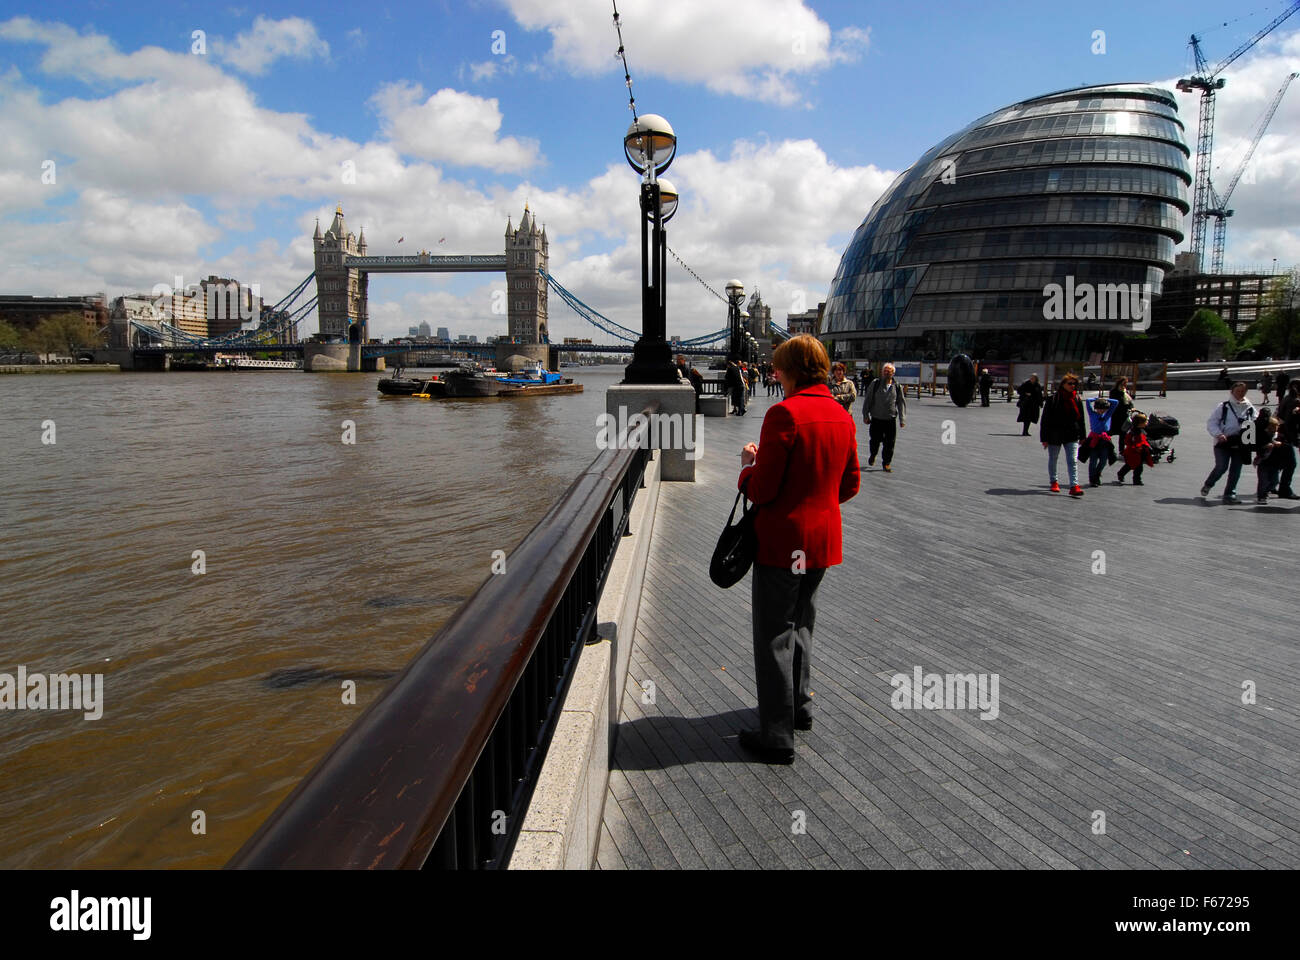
(804, 466)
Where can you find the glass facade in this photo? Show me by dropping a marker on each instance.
(1086, 186)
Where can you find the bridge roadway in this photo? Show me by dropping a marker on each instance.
(1119, 692)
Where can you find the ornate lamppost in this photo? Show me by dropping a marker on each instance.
(650, 146)
(735, 294)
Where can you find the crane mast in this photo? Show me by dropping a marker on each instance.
(1208, 83)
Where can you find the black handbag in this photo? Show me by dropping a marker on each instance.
(734, 554)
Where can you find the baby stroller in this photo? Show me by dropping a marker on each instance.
(1161, 430)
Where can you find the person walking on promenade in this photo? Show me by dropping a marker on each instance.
(1137, 451)
(1100, 451)
(1062, 426)
(1266, 385)
(867, 376)
(804, 466)
(884, 409)
(1288, 412)
(1030, 402)
(986, 384)
(735, 385)
(1226, 423)
(1122, 399)
(1268, 458)
(842, 388)
(1283, 382)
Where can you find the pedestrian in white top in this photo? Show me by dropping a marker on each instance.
(1231, 424)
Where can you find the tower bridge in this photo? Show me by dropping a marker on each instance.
(343, 265)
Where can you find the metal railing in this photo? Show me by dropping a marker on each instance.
(439, 771)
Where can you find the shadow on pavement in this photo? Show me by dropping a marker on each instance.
(657, 743)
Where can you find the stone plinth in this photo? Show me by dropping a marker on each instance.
(541, 352)
(676, 430)
(713, 406)
(331, 357)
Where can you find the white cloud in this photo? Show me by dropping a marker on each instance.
(451, 127)
(269, 40)
(747, 48)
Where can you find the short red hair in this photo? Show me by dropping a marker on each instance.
(803, 359)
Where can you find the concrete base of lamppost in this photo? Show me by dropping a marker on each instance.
(675, 431)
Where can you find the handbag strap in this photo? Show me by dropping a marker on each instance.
(745, 509)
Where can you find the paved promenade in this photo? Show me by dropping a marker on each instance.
(1120, 693)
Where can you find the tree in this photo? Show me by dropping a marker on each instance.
(1277, 331)
(64, 333)
(10, 337)
(1204, 328)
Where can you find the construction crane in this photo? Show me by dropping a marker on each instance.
(1209, 82)
(1220, 211)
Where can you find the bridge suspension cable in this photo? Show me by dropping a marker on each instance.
(592, 316)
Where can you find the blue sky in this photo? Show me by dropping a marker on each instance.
(792, 117)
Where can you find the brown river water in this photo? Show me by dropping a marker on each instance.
(324, 561)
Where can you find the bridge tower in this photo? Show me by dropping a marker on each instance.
(341, 300)
(527, 251)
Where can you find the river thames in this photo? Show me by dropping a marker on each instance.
(323, 561)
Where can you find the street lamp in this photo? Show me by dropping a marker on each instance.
(650, 146)
(735, 294)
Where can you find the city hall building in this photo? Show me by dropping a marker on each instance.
(1003, 241)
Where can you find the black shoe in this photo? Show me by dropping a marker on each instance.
(1094, 483)
(871, 460)
(1138, 483)
(1287, 496)
(1232, 498)
(803, 724)
(752, 741)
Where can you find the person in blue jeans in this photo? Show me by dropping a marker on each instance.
(1101, 450)
(1062, 426)
(1228, 424)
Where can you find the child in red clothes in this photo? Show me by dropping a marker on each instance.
(1137, 450)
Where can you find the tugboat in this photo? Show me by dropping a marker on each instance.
(399, 386)
(474, 381)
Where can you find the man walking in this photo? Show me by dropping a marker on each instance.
(986, 384)
(1228, 424)
(884, 410)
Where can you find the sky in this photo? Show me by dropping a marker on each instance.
(144, 141)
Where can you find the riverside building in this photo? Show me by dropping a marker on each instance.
(1085, 188)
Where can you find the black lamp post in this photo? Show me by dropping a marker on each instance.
(650, 146)
(735, 294)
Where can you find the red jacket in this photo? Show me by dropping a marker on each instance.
(807, 466)
(1137, 449)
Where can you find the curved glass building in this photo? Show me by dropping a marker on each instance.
(1086, 189)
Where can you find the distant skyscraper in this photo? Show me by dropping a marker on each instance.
(444, 333)
(412, 331)
(425, 329)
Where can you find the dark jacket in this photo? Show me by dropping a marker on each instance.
(1063, 421)
(807, 466)
(1123, 410)
(1030, 403)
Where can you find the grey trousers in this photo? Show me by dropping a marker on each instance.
(783, 625)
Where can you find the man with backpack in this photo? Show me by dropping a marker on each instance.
(1232, 425)
(884, 409)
